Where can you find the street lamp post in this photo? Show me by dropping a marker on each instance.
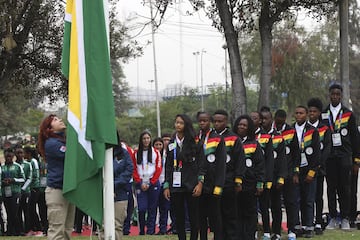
(226, 83)
(202, 79)
(155, 71)
(196, 54)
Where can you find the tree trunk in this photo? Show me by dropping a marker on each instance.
(238, 85)
(265, 28)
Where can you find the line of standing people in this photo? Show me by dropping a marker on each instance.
(220, 175)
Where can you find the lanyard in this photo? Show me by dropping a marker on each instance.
(222, 132)
(302, 145)
(175, 160)
(206, 138)
(145, 170)
(258, 136)
(331, 124)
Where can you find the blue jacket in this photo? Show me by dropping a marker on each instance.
(123, 169)
(55, 157)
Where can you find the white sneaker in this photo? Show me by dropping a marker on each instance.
(332, 224)
(345, 224)
(291, 236)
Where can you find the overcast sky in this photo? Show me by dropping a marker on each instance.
(197, 35)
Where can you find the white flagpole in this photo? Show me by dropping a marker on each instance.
(108, 172)
(109, 209)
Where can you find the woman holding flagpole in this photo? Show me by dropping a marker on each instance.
(52, 147)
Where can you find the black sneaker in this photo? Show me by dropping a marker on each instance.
(318, 231)
(299, 232)
(352, 224)
(308, 234)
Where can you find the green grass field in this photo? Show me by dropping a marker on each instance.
(328, 235)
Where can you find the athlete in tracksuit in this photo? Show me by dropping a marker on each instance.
(279, 175)
(235, 172)
(215, 156)
(253, 183)
(309, 143)
(12, 178)
(265, 142)
(315, 108)
(291, 185)
(185, 168)
(147, 169)
(25, 191)
(344, 157)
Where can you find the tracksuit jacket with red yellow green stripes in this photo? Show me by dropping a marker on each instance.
(292, 151)
(255, 165)
(310, 146)
(215, 158)
(235, 159)
(345, 125)
(265, 141)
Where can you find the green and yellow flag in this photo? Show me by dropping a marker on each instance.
(91, 115)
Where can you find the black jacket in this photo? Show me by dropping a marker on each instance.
(280, 163)
(311, 148)
(292, 151)
(265, 141)
(235, 159)
(255, 165)
(190, 161)
(346, 127)
(215, 158)
(325, 147)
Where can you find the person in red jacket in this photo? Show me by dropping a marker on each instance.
(147, 169)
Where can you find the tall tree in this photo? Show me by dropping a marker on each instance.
(33, 58)
(231, 36)
(221, 12)
(30, 32)
(354, 56)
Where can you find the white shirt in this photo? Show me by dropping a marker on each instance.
(315, 124)
(179, 142)
(147, 169)
(335, 111)
(300, 131)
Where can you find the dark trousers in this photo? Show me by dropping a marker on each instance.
(338, 179)
(79, 216)
(164, 208)
(307, 200)
(129, 210)
(291, 201)
(210, 210)
(34, 220)
(353, 196)
(23, 213)
(12, 208)
(229, 213)
(264, 203)
(148, 202)
(43, 212)
(276, 213)
(247, 214)
(319, 201)
(178, 200)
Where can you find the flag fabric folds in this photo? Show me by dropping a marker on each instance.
(91, 115)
